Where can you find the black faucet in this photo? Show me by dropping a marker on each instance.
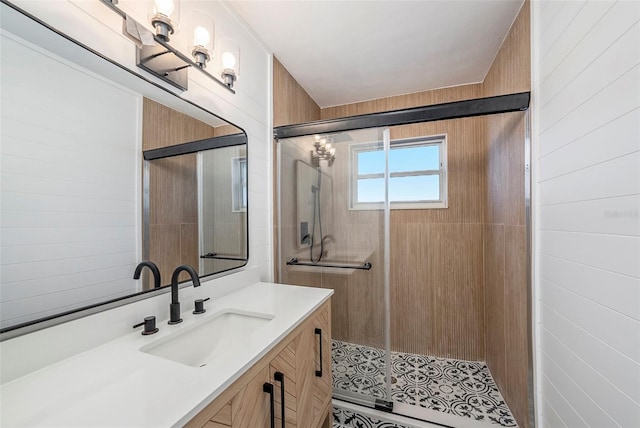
(154, 269)
(174, 307)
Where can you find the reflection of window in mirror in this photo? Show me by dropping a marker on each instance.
(239, 184)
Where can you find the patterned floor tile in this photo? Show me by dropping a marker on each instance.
(463, 388)
(343, 418)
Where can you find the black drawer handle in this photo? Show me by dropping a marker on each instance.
(268, 388)
(279, 377)
(318, 331)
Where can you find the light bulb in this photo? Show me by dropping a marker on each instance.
(317, 138)
(323, 141)
(228, 61)
(328, 146)
(201, 37)
(164, 7)
(332, 151)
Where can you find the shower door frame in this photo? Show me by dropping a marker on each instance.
(517, 102)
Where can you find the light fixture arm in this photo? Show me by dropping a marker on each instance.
(172, 71)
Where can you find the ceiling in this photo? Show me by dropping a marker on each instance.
(348, 51)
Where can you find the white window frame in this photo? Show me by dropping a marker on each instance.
(437, 140)
(238, 184)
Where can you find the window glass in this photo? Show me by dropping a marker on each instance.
(417, 174)
(370, 190)
(404, 159)
(414, 188)
(371, 162)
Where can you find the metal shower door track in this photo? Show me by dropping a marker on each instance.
(454, 110)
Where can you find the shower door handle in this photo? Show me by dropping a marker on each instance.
(279, 377)
(268, 388)
(318, 332)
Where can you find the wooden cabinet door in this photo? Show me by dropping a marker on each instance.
(251, 407)
(322, 385)
(282, 370)
(314, 379)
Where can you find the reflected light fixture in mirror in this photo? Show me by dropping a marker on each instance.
(323, 150)
(230, 58)
(165, 17)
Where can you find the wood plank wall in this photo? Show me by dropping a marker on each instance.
(173, 200)
(505, 253)
(291, 103)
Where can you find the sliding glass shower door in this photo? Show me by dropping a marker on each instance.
(332, 192)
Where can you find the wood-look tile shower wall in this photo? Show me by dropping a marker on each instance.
(505, 242)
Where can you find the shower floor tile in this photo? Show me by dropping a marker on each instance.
(463, 388)
(343, 418)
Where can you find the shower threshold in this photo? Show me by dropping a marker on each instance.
(440, 390)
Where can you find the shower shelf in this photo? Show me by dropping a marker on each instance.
(295, 262)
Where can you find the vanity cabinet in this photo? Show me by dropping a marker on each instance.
(297, 369)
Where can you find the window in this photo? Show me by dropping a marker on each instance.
(417, 174)
(239, 184)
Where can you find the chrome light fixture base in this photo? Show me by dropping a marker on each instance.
(228, 77)
(163, 26)
(200, 56)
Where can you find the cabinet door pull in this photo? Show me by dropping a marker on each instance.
(268, 388)
(318, 332)
(279, 377)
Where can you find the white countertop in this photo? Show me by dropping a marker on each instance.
(117, 385)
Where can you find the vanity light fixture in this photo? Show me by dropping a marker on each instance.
(230, 59)
(168, 63)
(164, 18)
(200, 54)
(203, 34)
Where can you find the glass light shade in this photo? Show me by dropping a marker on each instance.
(165, 17)
(201, 29)
(230, 56)
(164, 7)
(201, 36)
(228, 60)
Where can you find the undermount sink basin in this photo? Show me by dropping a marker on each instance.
(226, 332)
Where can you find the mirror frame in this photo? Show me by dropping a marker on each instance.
(62, 317)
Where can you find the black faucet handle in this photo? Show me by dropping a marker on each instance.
(149, 326)
(199, 306)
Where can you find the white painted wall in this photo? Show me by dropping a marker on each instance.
(69, 185)
(586, 141)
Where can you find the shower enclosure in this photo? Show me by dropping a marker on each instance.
(408, 224)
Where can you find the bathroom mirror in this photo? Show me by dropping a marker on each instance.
(74, 128)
